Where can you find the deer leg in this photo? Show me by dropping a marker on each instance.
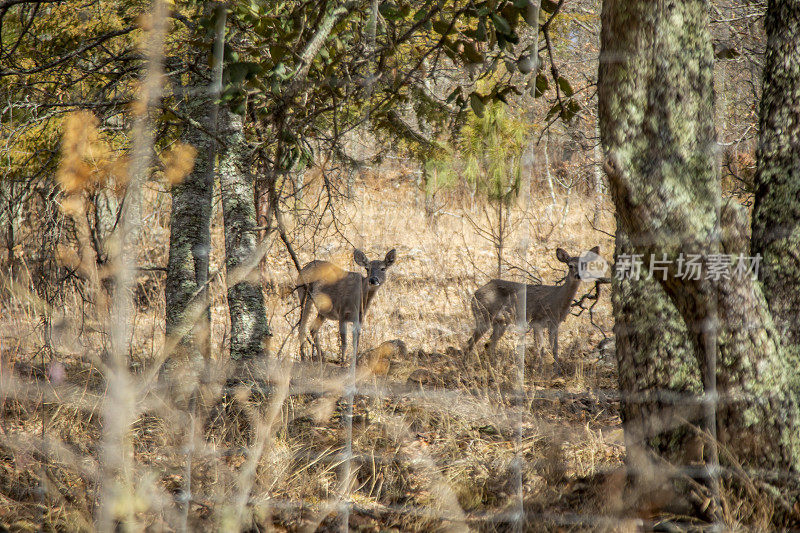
(498, 328)
(343, 340)
(554, 344)
(538, 339)
(356, 338)
(315, 335)
(481, 324)
(481, 327)
(305, 312)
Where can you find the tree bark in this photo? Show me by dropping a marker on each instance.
(190, 237)
(657, 125)
(656, 364)
(249, 327)
(776, 213)
(190, 222)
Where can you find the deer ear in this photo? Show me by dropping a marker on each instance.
(360, 258)
(562, 256)
(391, 255)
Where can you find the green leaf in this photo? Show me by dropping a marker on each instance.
(278, 52)
(566, 88)
(726, 52)
(471, 53)
(390, 11)
(549, 6)
(542, 84)
(456, 92)
(552, 111)
(476, 101)
(441, 27)
(511, 14)
(480, 32)
(501, 24)
(571, 108)
(279, 72)
(567, 112)
(240, 71)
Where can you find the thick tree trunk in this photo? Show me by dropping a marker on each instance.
(656, 365)
(657, 126)
(776, 214)
(249, 326)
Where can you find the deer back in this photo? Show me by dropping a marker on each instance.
(550, 304)
(337, 293)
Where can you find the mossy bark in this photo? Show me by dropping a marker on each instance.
(656, 108)
(249, 327)
(776, 213)
(656, 366)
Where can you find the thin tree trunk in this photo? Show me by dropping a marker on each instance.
(499, 242)
(190, 237)
(599, 187)
(657, 123)
(776, 213)
(249, 328)
(527, 162)
(547, 171)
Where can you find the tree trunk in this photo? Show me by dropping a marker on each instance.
(499, 239)
(776, 213)
(190, 240)
(190, 223)
(249, 326)
(599, 187)
(657, 126)
(656, 363)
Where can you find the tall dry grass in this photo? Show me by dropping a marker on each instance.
(436, 441)
(95, 437)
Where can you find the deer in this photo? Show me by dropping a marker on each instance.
(339, 295)
(546, 306)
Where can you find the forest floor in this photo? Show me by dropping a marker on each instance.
(440, 440)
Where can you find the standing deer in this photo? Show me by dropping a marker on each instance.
(338, 295)
(495, 305)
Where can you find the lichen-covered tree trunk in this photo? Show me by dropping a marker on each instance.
(776, 213)
(190, 240)
(656, 365)
(249, 327)
(657, 126)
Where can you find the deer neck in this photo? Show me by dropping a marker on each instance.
(367, 292)
(568, 290)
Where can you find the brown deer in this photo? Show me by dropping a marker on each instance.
(338, 295)
(546, 306)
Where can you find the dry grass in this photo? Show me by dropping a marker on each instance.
(435, 440)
